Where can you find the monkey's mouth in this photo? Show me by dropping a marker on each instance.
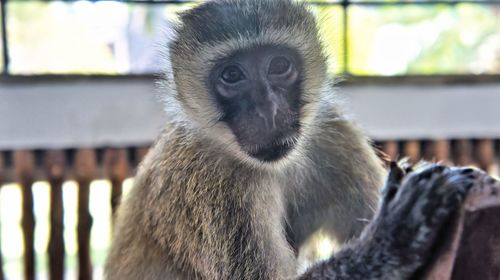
(273, 151)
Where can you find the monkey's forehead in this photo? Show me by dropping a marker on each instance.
(243, 23)
(216, 21)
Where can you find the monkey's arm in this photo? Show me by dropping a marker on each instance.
(340, 191)
(414, 210)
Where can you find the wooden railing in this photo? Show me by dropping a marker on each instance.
(116, 164)
(56, 166)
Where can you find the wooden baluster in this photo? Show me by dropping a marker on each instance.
(116, 170)
(412, 150)
(24, 168)
(437, 151)
(85, 172)
(54, 170)
(485, 154)
(391, 149)
(2, 175)
(140, 153)
(497, 158)
(442, 151)
(462, 152)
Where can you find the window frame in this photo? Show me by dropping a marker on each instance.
(346, 76)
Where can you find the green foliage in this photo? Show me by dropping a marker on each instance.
(80, 37)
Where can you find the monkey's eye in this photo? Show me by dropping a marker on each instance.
(232, 74)
(279, 66)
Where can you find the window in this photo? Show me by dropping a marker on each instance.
(363, 38)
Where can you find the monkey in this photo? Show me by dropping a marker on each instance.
(258, 155)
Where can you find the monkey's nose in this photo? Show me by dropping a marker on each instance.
(268, 114)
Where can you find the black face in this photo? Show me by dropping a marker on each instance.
(258, 91)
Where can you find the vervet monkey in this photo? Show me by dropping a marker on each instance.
(257, 156)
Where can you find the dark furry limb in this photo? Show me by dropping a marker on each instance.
(470, 247)
(436, 223)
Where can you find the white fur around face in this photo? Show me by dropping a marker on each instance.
(190, 103)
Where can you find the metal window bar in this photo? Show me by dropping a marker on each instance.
(5, 45)
(345, 4)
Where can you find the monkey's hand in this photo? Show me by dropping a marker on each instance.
(414, 209)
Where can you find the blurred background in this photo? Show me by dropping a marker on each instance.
(79, 107)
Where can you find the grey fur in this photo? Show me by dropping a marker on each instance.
(203, 209)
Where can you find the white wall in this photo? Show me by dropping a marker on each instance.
(118, 112)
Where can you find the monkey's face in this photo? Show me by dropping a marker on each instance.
(258, 93)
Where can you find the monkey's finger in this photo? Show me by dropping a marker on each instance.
(445, 195)
(405, 164)
(393, 182)
(415, 191)
(396, 174)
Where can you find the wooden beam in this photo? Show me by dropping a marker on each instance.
(54, 169)
(463, 152)
(485, 154)
(437, 151)
(140, 153)
(85, 173)
(412, 150)
(24, 169)
(391, 149)
(116, 169)
(2, 177)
